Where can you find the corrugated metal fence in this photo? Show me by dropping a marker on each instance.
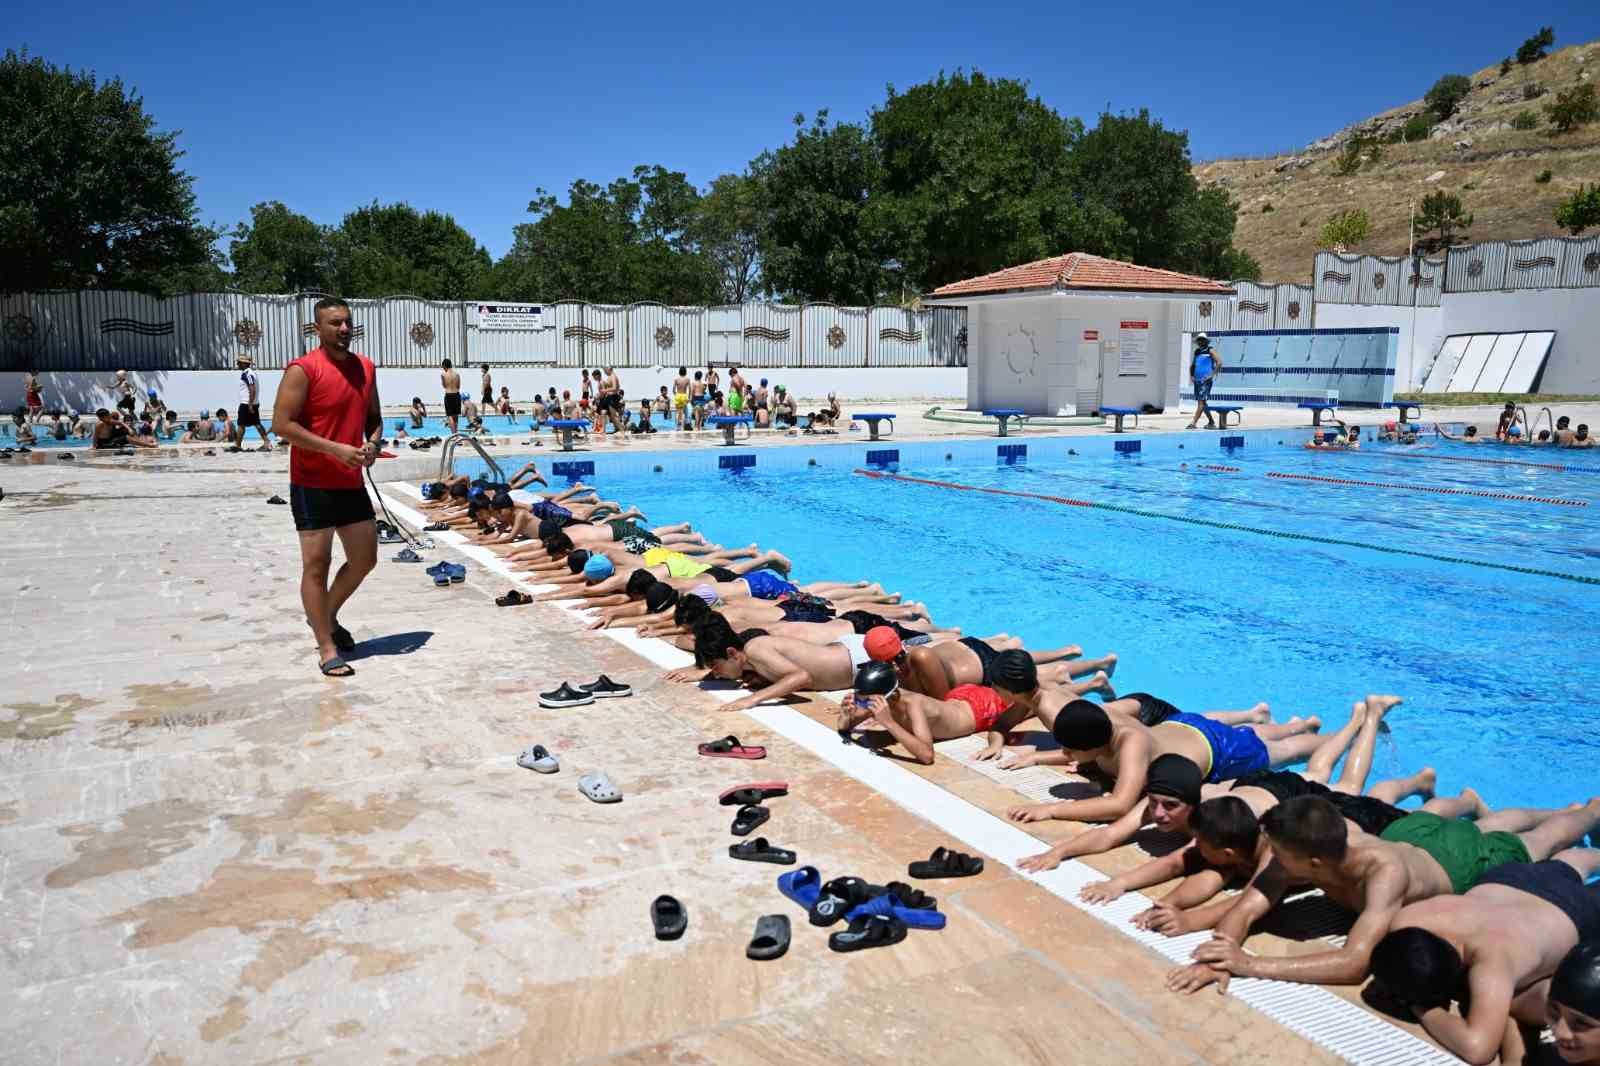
(103, 330)
(1491, 266)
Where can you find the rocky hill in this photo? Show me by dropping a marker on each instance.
(1476, 154)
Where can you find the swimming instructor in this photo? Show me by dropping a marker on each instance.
(327, 409)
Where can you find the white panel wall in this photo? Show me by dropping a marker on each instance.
(1416, 346)
(1574, 362)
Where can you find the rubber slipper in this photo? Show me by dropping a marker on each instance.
(802, 885)
(946, 863)
(565, 696)
(436, 527)
(598, 787)
(336, 667)
(744, 794)
(669, 918)
(406, 555)
(603, 688)
(887, 906)
(441, 580)
(750, 817)
(771, 938)
(342, 638)
(913, 898)
(539, 759)
(514, 598)
(758, 850)
(730, 748)
(871, 932)
(271, 499)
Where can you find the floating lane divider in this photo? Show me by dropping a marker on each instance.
(1390, 453)
(1485, 493)
(1218, 469)
(1068, 501)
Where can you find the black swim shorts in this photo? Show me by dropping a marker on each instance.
(328, 508)
(249, 415)
(452, 404)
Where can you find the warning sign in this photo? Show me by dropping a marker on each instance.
(1133, 339)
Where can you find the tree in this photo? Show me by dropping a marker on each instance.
(1447, 94)
(1442, 211)
(1142, 173)
(728, 231)
(281, 251)
(1573, 108)
(1580, 210)
(90, 190)
(390, 249)
(1534, 48)
(1205, 238)
(1362, 147)
(1344, 229)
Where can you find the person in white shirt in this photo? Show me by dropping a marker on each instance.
(249, 406)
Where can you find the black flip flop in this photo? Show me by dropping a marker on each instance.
(771, 938)
(749, 819)
(746, 794)
(342, 639)
(336, 667)
(875, 931)
(838, 897)
(514, 598)
(669, 918)
(270, 499)
(758, 850)
(437, 527)
(911, 898)
(946, 863)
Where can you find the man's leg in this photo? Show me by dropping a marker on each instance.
(1584, 860)
(1557, 832)
(360, 543)
(1320, 766)
(316, 555)
(1358, 767)
(1467, 805)
(1285, 750)
(1294, 727)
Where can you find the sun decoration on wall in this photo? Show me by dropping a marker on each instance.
(835, 337)
(421, 334)
(665, 338)
(247, 331)
(1294, 309)
(1205, 308)
(1019, 344)
(20, 327)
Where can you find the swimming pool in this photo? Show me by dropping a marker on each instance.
(1218, 584)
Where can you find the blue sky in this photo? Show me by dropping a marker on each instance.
(468, 108)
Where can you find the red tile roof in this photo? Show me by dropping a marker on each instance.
(1079, 270)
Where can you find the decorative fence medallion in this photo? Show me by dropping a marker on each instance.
(247, 331)
(1294, 309)
(1205, 308)
(1591, 262)
(961, 338)
(664, 337)
(20, 327)
(835, 337)
(1475, 268)
(1377, 281)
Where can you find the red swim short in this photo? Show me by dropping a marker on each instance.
(986, 705)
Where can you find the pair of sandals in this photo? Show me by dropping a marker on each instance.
(514, 598)
(595, 784)
(670, 919)
(876, 923)
(447, 573)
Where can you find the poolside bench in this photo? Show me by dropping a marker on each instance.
(1226, 409)
(1119, 413)
(729, 423)
(567, 427)
(872, 418)
(1403, 406)
(1004, 414)
(1318, 408)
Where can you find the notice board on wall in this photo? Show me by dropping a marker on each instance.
(1133, 347)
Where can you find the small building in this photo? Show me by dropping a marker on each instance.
(1069, 334)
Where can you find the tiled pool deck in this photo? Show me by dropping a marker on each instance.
(210, 853)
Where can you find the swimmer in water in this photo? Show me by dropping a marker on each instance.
(1574, 1005)
(1468, 435)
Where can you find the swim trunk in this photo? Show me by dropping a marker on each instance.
(864, 622)
(808, 599)
(623, 530)
(1202, 389)
(1153, 710)
(328, 508)
(721, 573)
(795, 611)
(700, 401)
(1464, 851)
(1370, 814)
(856, 645)
(680, 400)
(986, 657)
(677, 563)
(986, 705)
(452, 404)
(1558, 885)
(1235, 750)
(640, 545)
(546, 509)
(765, 585)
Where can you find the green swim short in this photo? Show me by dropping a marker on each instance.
(1465, 851)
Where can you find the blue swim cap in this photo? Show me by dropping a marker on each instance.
(1513, 430)
(598, 568)
(763, 383)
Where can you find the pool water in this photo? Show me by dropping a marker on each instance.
(1202, 583)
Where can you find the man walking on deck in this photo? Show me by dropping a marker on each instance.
(1204, 366)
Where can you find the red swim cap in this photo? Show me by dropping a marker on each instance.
(882, 644)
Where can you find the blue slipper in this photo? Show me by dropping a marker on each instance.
(887, 906)
(803, 885)
(441, 573)
(458, 573)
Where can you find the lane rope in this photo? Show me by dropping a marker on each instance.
(1484, 493)
(1388, 453)
(1068, 501)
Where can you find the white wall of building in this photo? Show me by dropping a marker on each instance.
(1421, 333)
(191, 390)
(1574, 362)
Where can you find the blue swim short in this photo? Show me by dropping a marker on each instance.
(1235, 749)
(765, 585)
(546, 509)
(1202, 389)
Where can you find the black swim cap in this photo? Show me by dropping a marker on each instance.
(1576, 984)
(876, 679)
(548, 527)
(577, 560)
(501, 501)
(1418, 967)
(436, 489)
(458, 490)
(1082, 726)
(1014, 671)
(640, 582)
(1175, 776)
(660, 596)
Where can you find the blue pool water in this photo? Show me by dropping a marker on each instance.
(1497, 667)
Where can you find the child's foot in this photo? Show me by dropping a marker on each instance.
(1260, 714)
(1428, 783)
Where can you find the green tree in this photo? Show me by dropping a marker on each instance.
(1417, 127)
(393, 249)
(1204, 244)
(1580, 210)
(1573, 108)
(1447, 94)
(1505, 66)
(1525, 120)
(1140, 171)
(1344, 229)
(1442, 212)
(1362, 148)
(281, 251)
(728, 231)
(90, 190)
(1534, 48)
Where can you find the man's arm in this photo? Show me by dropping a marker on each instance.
(918, 740)
(1477, 1037)
(1154, 872)
(286, 408)
(1091, 842)
(791, 679)
(1133, 765)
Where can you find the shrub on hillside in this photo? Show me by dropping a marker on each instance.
(1447, 94)
(1525, 120)
(1267, 208)
(1360, 148)
(1532, 91)
(1344, 229)
(1442, 212)
(1505, 66)
(1573, 108)
(1535, 47)
(1543, 177)
(1580, 210)
(1418, 126)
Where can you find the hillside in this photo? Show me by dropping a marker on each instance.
(1475, 154)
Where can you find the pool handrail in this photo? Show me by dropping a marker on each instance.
(447, 456)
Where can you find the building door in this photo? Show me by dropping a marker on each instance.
(1088, 393)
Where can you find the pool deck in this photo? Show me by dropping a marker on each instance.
(200, 836)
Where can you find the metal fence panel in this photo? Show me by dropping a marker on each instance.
(834, 335)
(1534, 264)
(1379, 280)
(1476, 267)
(897, 337)
(1207, 316)
(1336, 278)
(129, 330)
(604, 336)
(725, 335)
(947, 336)
(1292, 306)
(569, 333)
(1425, 280)
(771, 334)
(265, 327)
(40, 331)
(1580, 262)
(1253, 308)
(659, 335)
(420, 333)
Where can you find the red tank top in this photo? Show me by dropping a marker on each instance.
(338, 394)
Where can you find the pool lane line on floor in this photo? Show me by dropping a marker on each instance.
(1483, 493)
(1316, 1014)
(1069, 501)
